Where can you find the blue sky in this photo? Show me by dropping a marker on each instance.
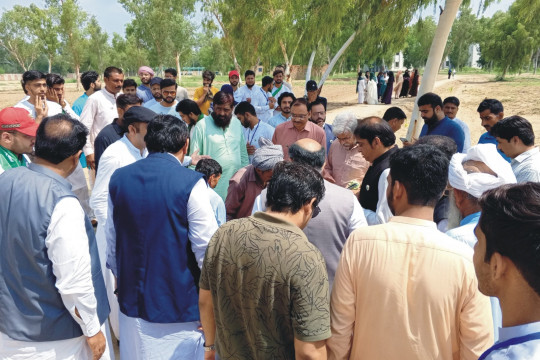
(113, 18)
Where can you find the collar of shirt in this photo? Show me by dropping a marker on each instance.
(470, 219)
(413, 221)
(274, 221)
(385, 155)
(43, 170)
(285, 118)
(309, 126)
(117, 127)
(506, 333)
(112, 96)
(523, 156)
(132, 148)
(252, 176)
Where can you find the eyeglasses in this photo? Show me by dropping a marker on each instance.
(299, 116)
(319, 113)
(316, 211)
(166, 92)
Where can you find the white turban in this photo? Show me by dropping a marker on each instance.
(477, 183)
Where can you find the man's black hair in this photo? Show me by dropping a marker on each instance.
(244, 107)
(284, 95)
(451, 100)
(369, 130)
(512, 126)
(166, 134)
(188, 106)
(171, 71)
(223, 97)
(31, 75)
(111, 70)
(59, 137)
(168, 82)
(277, 71)
(493, 105)
(123, 100)
(430, 99)
(208, 167)
(249, 72)
(207, 74)
(267, 80)
(316, 102)
(510, 221)
(54, 79)
(128, 83)
(314, 159)
(292, 186)
(444, 143)
(423, 171)
(88, 78)
(299, 101)
(394, 113)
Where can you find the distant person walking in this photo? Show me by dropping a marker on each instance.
(360, 87)
(387, 95)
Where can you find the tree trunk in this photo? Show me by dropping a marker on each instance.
(536, 62)
(504, 72)
(285, 56)
(50, 64)
(178, 69)
(338, 55)
(77, 71)
(436, 53)
(309, 67)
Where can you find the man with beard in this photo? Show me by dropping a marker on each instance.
(506, 263)
(345, 165)
(279, 87)
(220, 136)
(156, 92)
(168, 99)
(100, 110)
(450, 108)
(256, 96)
(143, 91)
(403, 270)
(317, 115)
(254, 128)
(234, 79)
(436, 123)
(284, 103)
(181, 92)
(491, 111)
(298, 128)
(34, 85)
(470, 175)
(189, 112)
(204, 95)
(91, 84)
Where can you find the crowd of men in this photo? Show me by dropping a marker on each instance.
(240, 225)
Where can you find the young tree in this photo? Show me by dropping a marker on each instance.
(44, 23)
(98, 45)
(419, 39)
(463, 35)
(17, 39)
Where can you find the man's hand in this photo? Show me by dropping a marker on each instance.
(90, 160)
(41, 107)
(250, 149)
(195, 157)
(248, 100)
(271, 104)
(52, 96)
(97, 344)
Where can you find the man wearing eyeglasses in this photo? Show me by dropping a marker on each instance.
(168, 102)
(317, 115)
(298, 128)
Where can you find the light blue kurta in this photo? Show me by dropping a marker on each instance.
(226, 146)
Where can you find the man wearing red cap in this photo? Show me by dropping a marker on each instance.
(234, 79)
(17, 136)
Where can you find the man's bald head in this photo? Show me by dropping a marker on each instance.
(474, 166)
(309, 152)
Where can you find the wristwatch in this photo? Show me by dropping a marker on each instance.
(209, 348)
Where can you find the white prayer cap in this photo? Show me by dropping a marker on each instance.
(477, 183)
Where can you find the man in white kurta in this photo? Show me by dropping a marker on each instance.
(127, 150)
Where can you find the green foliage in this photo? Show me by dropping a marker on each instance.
(418, 43)
(213, 55)
(464, 33)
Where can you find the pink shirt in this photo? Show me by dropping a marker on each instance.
(244, 187)
(403, 290)
(345, 167)
(286, 135)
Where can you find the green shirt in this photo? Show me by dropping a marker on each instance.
(9, 160)
(226, 146)
(269, 285)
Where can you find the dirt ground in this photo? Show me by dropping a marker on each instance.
(519, 97)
